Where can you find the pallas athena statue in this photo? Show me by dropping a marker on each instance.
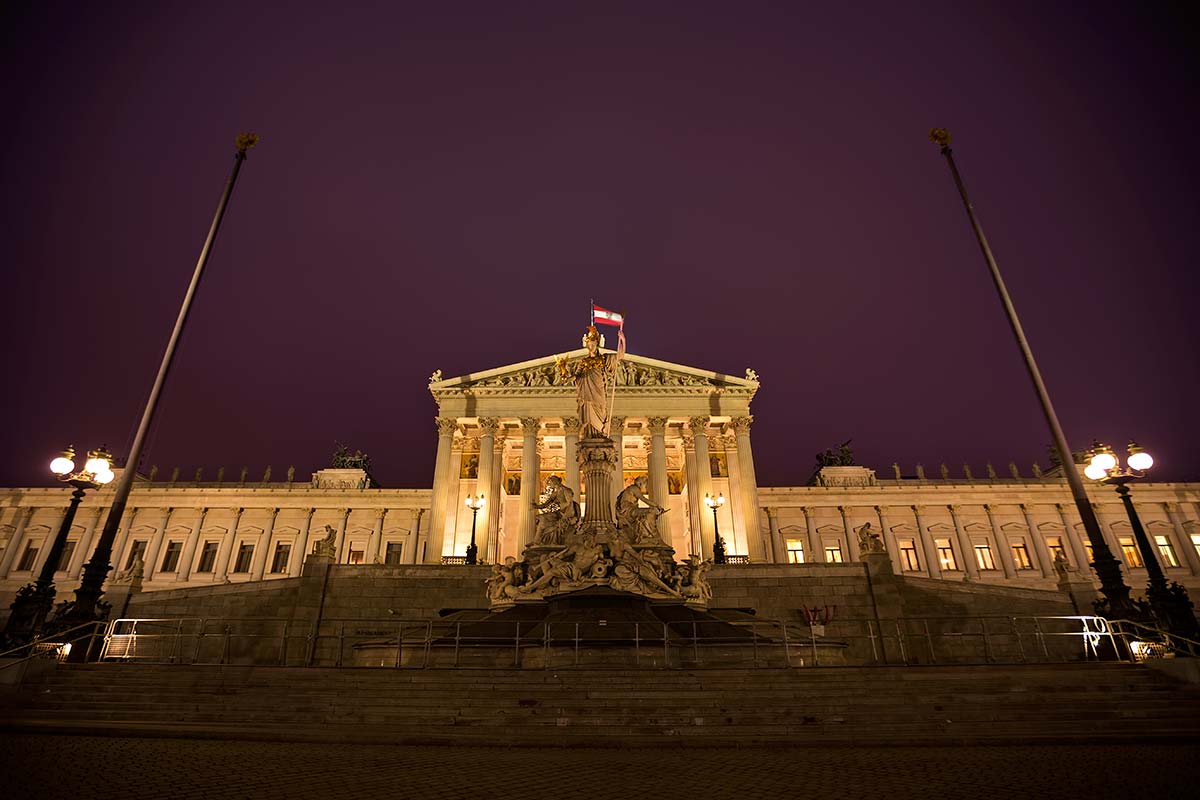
(595, 377)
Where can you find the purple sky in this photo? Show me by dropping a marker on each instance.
(445, 185)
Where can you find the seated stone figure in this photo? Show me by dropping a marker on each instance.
(635, 522)
(560, 513)
(570, 565)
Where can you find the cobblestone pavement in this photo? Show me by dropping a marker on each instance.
(98, 768)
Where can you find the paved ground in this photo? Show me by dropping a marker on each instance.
(98, 768)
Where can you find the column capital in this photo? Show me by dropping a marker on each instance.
(648, 443)
(730, 442)
(308, 514)
(953, 508)
(772, 511)
(658, 425)
(380, 513)
(698, 424)
(881, 509)
(446, 425)
(808, 511)
(688, 440)
(1062, 507)
(742, 424)
(345, 512)
(531, 425)
(842, 511)
(1025, 508)
(990, 508)
(916, 511)
(237, 512)
(488, 426)
(617, 425)
(714, 440)
(274, 512)
(571, 425)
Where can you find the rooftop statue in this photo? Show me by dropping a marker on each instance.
(844, 457)
(595, 378)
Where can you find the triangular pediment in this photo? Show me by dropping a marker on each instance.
(634, 373)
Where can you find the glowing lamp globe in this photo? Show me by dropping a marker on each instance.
(1141, 460)
(106, 476)
(62, 465)
(96, 464)
(1094, 472)
(1105, 461)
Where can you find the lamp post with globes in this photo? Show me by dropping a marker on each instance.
(474, 503)
(34, 600)
(1170, 603)
(718, 544)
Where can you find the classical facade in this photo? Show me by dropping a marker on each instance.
(501, 433)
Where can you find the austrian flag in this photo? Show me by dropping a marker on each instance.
(603, 316)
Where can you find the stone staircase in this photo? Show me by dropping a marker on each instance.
(815, 706)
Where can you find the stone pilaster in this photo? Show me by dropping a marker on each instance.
(1003, 548)
(1072, 540)
(889, 536)
(83, 549)
(737, 541)
(617, 430)
(151, 562)
(970, 564)
(412, 547)
(258, 565)
(221, 570)
(189, 548)
(814, 541)
(699, 429)
(529, 481)
(492, 551)
(694, 498)
(122, 538)
(850, 545)
(441, 469)
(1190, 556)
(340, 538)
(454, 505)
(296, 565)
(778, 547)
(372, 554)
(16, 542)
(1045, 563)
(749, 488)
(932, 565)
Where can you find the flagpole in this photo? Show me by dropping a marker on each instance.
(1108, 569)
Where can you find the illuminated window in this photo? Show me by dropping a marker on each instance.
(908, 555)
(795, 551)
(983, 557)
(244, 554)
(394, 553)
(65, 559)
(279, 561)
(1091, 556)
(1166, 551)
(1021, 556)
(1132, 557)
(28, 559)
(1055, 545)
(138, 550)
(945, 554)
(1196, 542)
(356, 556)
(833, 554)
(170, 561)
(208, 557)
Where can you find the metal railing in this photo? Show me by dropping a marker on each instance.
(1144, 642)
(57, 646)
(597, 643)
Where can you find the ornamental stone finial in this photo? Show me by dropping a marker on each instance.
(940, 137)
(751, 375)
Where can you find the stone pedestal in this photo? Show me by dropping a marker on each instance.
(597, 458)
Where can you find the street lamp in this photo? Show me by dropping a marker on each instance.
(718, 544)
(35, 600)
(1171, 604)
(474, 503)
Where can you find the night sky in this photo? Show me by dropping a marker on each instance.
(446, 185)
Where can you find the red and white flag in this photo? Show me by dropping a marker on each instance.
(605, 317)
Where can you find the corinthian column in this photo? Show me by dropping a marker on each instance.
(617, 429)
(749, 488)
(848, 533)
(736, 499)
(699, 428)
(296, 564)
(1071, 537)
(441, 468)
(1175, 514)
(18, 538)
(529, 480)
(658, 471)
(694, 499)
(372, 554)
(810, 530)
(1004, 550)
(932, 565)
(189, 548)
(777, 549)
(226, 549)
(483, 482)
(492, 550)
(889, 536)
(155, 545)
(970, 563)
(1039, 543)
(570, 450)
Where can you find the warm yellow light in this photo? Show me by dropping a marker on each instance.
(96, 464)
(1094, 472)
(720, 499)
(62, 465)
(104, 477)
(1141, 459)
(1104, 460)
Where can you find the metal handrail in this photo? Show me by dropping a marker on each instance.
(58, 638)
(1132, 631)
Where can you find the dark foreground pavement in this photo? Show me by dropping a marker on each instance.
(97, 768)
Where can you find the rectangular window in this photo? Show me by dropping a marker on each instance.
(279, 561)
(1196, 542)
(1055, 545)
(983, 557)
(1021, 556)
(208, 557)
(1128, 549)
(393, 553)
(136, 552)
(908, 555)
(1166, 551)
(244, 555)
(795, 551)
(1091, 556)
(356, 556)
(833, 554)
(28, 559)
(945, 554)
(64, 560)
(170, 561)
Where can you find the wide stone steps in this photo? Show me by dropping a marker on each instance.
(877, 705)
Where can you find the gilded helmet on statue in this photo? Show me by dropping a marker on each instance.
(593, 335)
